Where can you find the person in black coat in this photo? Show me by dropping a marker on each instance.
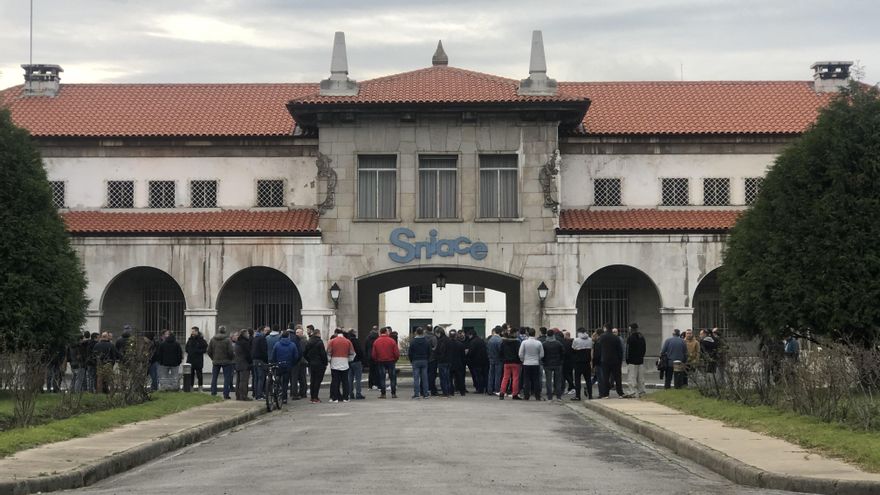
(373, 372)
(477, 360)
(169, 355)
(609, 355)
(243, 360)
(554, 355)
(456, 356)
(196, 346)
(635, 360)
(316, 355)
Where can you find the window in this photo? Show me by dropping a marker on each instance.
(161, 194)
(270, 193)
(675, 192)
(606, 192)
(421, 294)
(120, 194)
(474, 294)
(377, 186)
(753, 188)
(437, 186)
(203, 193)
(498, 186)
(716, 192)
(58, 198)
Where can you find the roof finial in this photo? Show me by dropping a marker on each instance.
(537, 83)
(440, 57)
(338, 84)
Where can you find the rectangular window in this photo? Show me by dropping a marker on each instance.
(675, 192)
(438, 183)
(377, 186)
(753, 188)
(120, 194)
(606, 192)
(203, 193)
(474, 294)
(419, 294)
(58, 199)
(716, 192)
(270, 193)
(498, 186)
(161, 194)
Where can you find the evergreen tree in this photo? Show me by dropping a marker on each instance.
(42, 284)
(806, 256)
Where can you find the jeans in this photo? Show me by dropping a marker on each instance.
(316, 374)
(445, 383)
(169, 378)
(496, 369)
(388, 368)
(78, 383)
(420, 377)
(457, 372)
(511, 376)
(227, 369)
(532, 386)
(432, 377)
(54, 375)
(610, 372)
(154, 376)
(301, 378)
(355, 376)
(283, 375)
(582, 370)
(553, 375)
(636, 376)
(294, 379)
(337, 378)
(480, 377)
(259, 378)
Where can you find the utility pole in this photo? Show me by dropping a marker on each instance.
(31, 50)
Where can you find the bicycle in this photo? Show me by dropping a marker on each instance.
(274, 390)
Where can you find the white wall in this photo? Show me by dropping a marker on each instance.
(237, 177)
(448, 308)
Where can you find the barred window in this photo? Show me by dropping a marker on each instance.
(753, 188)
(606, 192)
(438, 180)
(58, 193)
(716, 192)
(203, 193)
(377, 186)
(421, 294)
(498, 186)
(474, 294)
(120, 194)
(675, 192)
(270, 193)
(162, 194)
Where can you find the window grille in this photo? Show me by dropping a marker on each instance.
(58, 196)
(203, 193)
(274, 302)
(606, 192)
(162, 194)
(270, 193)
(437, 186)
(419, 294)
(709, 314)
(498, 186)
(377, 186)
(716, 192)
(163, 309)
(675, 192)
(120, 194)
(474, 294)
(753, 188)
(604, 305)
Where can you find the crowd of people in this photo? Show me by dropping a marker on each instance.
(684, 354)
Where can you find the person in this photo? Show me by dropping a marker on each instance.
(608, 354)
(56, 368)
(372, 368)
(223, 356)
(77, 365)
(567, 364)
(122, 343)
(169, 355)
(196, 346)
(259, 358)
(456, 357)
(554, 355)
(721, 355)
(89, 342)
(581, 360)
(431, 337)
(616, 333)
(674, 354)
(530, 353)
(243, 359)
(302, 365)
(477, 357)
(316, 356)
(708, 352)
(385, 354)
(418, 354)
(153, 348)
(356, 366)
(285, 353)
(442, 355)
(106, 356)
(792, 349)
(635, 360)
(693, 347)
(341, 352)
(509, 355)
(496, 367)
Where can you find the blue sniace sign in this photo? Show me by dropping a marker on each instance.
(445, 248)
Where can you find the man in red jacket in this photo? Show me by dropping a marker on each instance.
(385, 354)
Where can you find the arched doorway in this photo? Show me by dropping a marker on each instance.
(258, 296)
(146, 298)
(619, 295)
(708, 312)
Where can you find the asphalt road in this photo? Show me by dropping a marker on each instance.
(470, 445)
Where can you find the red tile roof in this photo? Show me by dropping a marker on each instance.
(646, 221)
(299, 222)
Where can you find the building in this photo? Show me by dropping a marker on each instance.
(243, 204)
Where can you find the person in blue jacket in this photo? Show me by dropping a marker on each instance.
(285, 353)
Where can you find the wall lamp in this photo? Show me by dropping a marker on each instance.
(334, 294)
(543, 291)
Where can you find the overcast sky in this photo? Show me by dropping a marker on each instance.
(290, 40)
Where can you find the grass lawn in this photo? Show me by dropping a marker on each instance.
(162, 404)
(861, 448)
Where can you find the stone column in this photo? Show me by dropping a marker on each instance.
(561, 317)
(93, 320)
(206, 320)
(672, 318)
(323, 319)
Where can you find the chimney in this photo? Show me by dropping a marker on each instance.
(830, 76)
(339, 84)
(537, 84)
(440, 57)
(41, 79)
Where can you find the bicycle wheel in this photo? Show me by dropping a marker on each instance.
(276, 394)
(270, 385)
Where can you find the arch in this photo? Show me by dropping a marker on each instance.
(145, 297)
(124, 271)
(257, 296)
(706, 302)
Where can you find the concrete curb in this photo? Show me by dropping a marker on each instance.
(123, 461)
(731, 468)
